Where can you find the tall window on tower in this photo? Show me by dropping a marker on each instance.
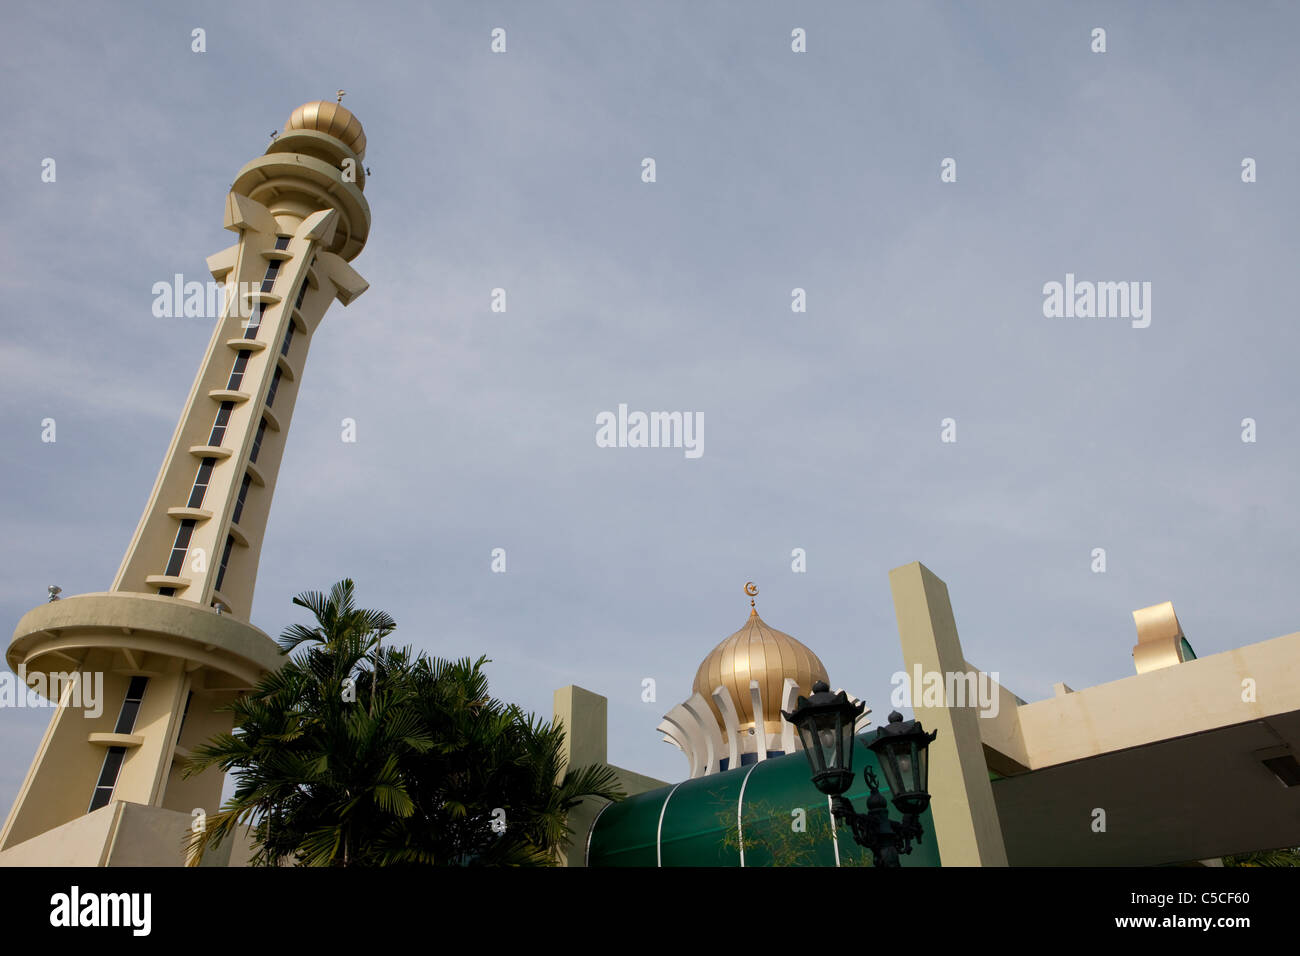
(201, 482)
(219, 426)
(288, 337)
(275, 384)
(268, 283)
(237, 373)
(273, 267)
(257, 441)
(243, 493)
(254, 322)
(113, 759)
(180, 548)
(225, 559)
(184, 716)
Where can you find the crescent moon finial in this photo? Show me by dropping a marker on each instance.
(751, 589)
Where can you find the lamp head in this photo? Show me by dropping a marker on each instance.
(825, 722)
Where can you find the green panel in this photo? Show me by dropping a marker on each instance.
(700, 826)
(776, 789)
(693, 833)
(624, 832)
(780, 786)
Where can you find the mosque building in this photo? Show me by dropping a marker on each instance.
(749, 798)
(1188, 759)
(1133, 772)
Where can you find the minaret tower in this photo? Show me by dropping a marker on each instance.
(171, 638)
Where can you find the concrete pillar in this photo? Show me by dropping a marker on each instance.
(586, 733)
(965, 816)
(586, 739)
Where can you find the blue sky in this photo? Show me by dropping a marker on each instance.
(775, 170)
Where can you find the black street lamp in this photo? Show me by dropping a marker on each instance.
(825, 723)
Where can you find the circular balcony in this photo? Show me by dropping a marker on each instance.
(55, 636)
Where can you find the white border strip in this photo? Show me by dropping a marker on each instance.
(586, 859)
(659, 834)
(835, 832)
(740, 803)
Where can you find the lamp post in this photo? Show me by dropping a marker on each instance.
(825, 722)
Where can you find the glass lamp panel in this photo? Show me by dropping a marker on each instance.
(828, 740)
(888, 756)
(923, 768)
(846, 741)
(906, 766)
(808, 735)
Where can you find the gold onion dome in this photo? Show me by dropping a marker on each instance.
(333, 119)
(758, 652)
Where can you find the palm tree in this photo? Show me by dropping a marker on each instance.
(490, 760)
(1280, 857)
(355, 754)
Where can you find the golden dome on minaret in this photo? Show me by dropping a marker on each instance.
(758, 652)
(332, 119)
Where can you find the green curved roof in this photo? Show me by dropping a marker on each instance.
(708, 821)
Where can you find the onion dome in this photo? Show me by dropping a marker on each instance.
(758, 652)
(332, 119)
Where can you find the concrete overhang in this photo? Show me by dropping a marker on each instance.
(1172, 757)
(53, 635)
(1256, 682)
(275, 174)
(1191, 798)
